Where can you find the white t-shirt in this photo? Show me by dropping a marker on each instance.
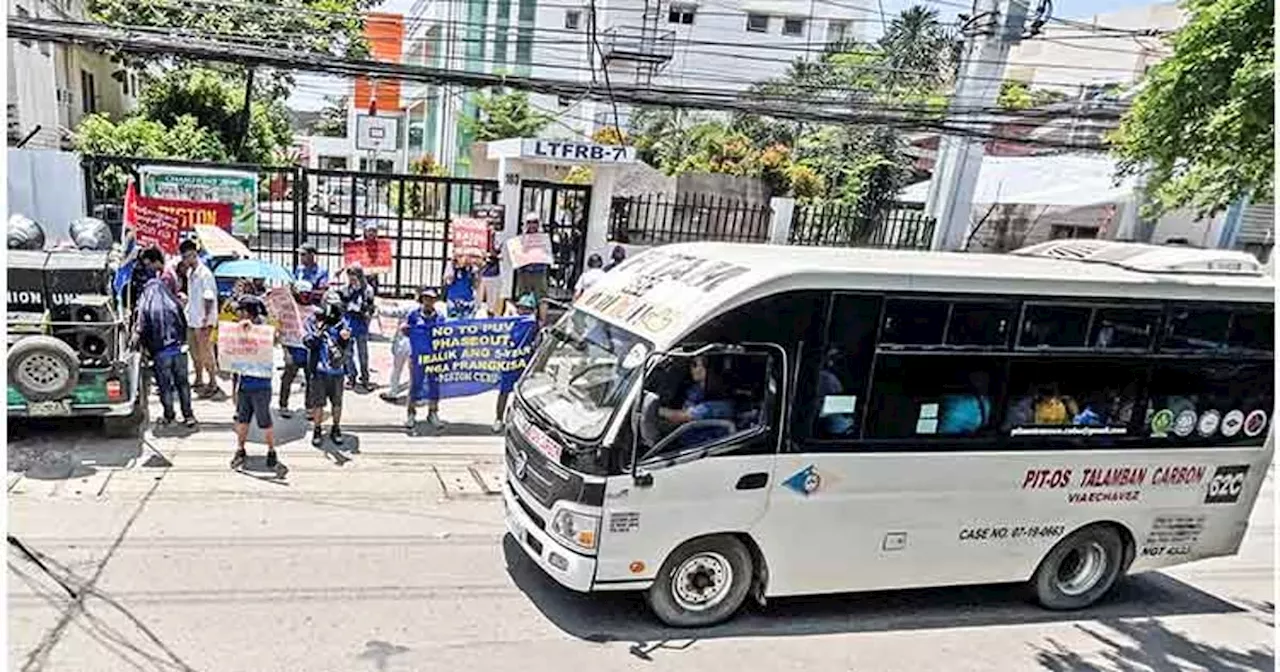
(589, 277)
(201, 287)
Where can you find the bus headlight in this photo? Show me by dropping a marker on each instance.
(579, 529)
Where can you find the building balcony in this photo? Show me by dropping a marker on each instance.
(637, 43)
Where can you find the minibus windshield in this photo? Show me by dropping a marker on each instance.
(580, 375)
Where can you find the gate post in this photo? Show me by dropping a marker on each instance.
(782, 220)
(509, 180)
(600, 210)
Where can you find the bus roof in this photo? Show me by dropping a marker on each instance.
(665, 292)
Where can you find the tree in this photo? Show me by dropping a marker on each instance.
(505, 115)
(213, 95)
(332, 120)
(917, 49)
(192, 113)
(1015, 95)
(1202, 127)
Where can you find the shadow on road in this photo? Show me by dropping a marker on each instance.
(623, 617)
(66, 448)
(1147, 644)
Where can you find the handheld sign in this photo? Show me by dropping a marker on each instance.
(529, 249)
(246, 349)
(374, 256)
(282, 308)
(470, 238)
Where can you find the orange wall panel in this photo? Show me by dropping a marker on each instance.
(385, 35)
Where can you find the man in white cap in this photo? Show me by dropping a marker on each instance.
(532, 279)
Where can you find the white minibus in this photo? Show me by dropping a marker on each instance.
(713, 422)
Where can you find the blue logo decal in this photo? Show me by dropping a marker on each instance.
(805, 482)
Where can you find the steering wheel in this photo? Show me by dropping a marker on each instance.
(728, 426)
(588, 368)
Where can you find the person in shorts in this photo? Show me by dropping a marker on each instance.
(328, 342)
(253, 394)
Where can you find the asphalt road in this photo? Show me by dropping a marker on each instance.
(393, 562)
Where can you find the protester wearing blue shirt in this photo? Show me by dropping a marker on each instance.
(423, 317)
(309, 270)
(161, 328)
(358, 307)
(253, 394)
(460, 283)
(704, 400)
(525, 307)
(328, 344)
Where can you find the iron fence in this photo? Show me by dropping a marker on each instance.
(656, 219)
(832, 224)
(325, 208)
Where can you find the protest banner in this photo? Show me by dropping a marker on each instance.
(528, 249)
(374, 256)
(493, 213)
(282, 307)
(463, 358)
(155, 227)
(246, 349)
(191, 214)
(237, 190)
(470, 238)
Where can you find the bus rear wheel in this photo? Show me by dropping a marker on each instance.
(1080, 569)
(703, 582)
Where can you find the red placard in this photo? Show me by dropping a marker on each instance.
(374, 256)
(191, 213)
(153, 227)
(470, 238)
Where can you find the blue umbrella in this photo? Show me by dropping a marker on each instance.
(254, 268)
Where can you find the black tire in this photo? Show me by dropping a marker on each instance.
(701, 557)
(1080, 569)
(132, 425)
(43, 368)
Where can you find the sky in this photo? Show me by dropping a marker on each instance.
(309, 95)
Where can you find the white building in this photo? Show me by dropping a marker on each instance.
(726, 45)
(1074, 58)
(53, 86)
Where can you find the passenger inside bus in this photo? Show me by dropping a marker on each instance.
(968, 411)
(706, 397)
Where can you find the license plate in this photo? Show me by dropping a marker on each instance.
(45, 409)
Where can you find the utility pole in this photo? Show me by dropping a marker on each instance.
(994, 27)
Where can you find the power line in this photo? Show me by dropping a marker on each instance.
(147, 43)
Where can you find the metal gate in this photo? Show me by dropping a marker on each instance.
(412, 210)
(563, 210)
(326, 207)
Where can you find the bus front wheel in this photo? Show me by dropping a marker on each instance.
(1080, 569)
(703, 582)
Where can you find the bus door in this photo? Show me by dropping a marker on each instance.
(705, 435)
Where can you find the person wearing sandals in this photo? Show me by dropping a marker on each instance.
(253, 394)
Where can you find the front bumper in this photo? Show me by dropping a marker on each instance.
(81, 410)
(571, 570)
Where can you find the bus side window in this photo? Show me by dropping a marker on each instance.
(1083, 401)
(843, 368)
(924, 395)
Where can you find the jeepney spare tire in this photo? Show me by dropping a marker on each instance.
(25, 234)
(91, 233)
(43, 368)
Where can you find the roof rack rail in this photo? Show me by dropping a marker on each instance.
(1147, 258)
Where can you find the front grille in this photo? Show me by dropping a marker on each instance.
(537, 520)
(545, 482)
